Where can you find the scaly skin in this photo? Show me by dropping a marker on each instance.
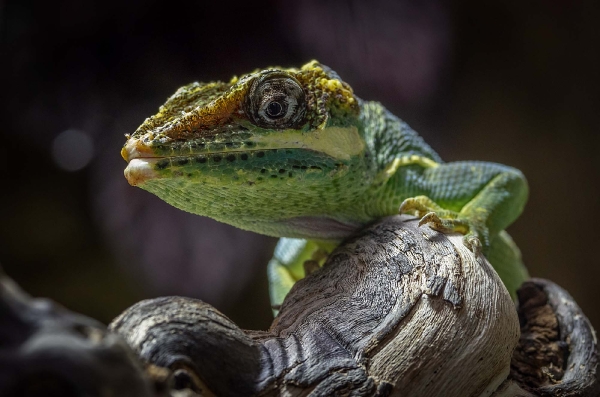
(294, 153)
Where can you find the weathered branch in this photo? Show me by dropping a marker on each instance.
(397, 310)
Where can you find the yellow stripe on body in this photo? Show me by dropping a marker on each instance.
(398, 162)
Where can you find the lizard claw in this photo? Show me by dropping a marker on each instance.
(403, 207)
(471, 239)
(473, 243)
(435, 222)
(418, 206)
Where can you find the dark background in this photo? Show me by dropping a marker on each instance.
(512, 82)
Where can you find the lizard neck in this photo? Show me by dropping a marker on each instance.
(391, 142)
(388, 137)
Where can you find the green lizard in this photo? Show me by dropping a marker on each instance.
(293, 153)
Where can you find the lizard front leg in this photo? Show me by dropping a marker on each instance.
(477, 199)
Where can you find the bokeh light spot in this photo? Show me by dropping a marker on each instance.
(72, 150)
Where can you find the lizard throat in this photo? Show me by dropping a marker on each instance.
(315, 227)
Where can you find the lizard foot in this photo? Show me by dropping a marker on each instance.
(458, 225)
(446, 221)
(310, 266)
(419, 206)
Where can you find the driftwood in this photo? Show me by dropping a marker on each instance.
(397, 310)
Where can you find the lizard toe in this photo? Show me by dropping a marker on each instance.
(473, 243)
(434, 221)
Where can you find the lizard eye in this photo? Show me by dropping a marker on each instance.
(276, 101)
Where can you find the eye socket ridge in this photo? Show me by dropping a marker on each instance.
(276, 101)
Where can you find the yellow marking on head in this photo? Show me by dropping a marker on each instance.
(318, 78)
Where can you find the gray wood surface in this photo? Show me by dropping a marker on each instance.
(397, 310)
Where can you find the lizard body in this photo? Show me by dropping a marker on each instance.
(294, 153)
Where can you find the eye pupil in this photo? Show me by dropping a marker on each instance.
(275, 109)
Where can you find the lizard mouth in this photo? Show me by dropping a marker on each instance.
(145, 165)
(142, 168)
(141, 162)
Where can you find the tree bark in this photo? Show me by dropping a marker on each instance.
(397, 310)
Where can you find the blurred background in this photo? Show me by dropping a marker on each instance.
(511, 82)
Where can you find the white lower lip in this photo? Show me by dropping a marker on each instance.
(140, 170)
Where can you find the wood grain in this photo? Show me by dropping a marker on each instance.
(397, 310)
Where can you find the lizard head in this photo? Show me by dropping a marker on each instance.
(277, 151)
